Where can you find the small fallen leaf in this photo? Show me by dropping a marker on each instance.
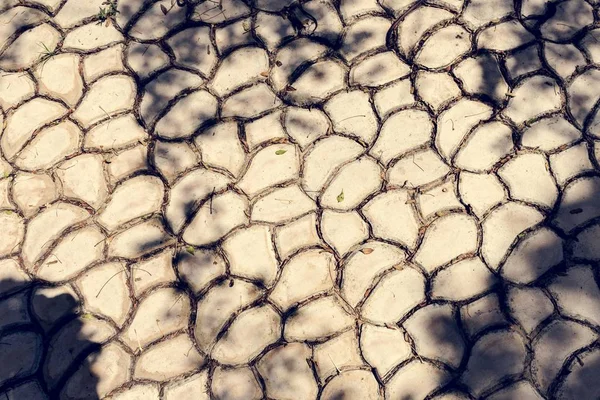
(576, 211)
(207, 49)
(340, 197)
(190, 250)
(510, 94)
(280, 152)
(164, 9)
(265, 74)
(290, 88)
(278, 63)
(246, 25)
(231, 283)
(87, 316)
(367, 250)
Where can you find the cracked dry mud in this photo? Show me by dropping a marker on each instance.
(271, 199)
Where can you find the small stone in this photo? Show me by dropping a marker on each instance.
(457, 232)
(91, 37)
(570, 163)
(286, 373)
(553, 345)
(217, 307)
(482, 314)
(378, 70)
(248, 335)
(529, 306)
(51, 304)
(282, 205)
(305, 125)
(504, 36)
(167, 359)
(533, 256)
(391, 97)
(304, 275)
(352, 185)
(103, 62)
(343, 230)
(82, 178)
(535, 96)
(436, 334)
(30, 47)
(140, 239)
(134, 198)
(494, 356)
(393, 218)
(115, 133)
(216, 218)
(574, 209)
(353, 115)
(99, 374)
(400, 133)
(105, 291)
(235, 384)
(24, 349)
(383, 348)
(107, 96)
(550, 134)
(152, 272)
(444, 47)
(305, 324)
(269, 167)
(357, 384)
(251, 254)
(502, 226)
(164, 311)
(436, 88)
(70, 342)
(200, 268)
(415, 380)
(394, 295)
(58, 77)
(145, 59)
(250, 102)
(297, 235)
(193, 388)
(199, 106)
(463, 280)
(582, 303)
(73, 254)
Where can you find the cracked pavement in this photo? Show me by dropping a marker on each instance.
(296, 200)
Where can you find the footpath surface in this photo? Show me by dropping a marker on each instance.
(272, 199)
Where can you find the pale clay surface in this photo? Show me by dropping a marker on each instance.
(299, 200)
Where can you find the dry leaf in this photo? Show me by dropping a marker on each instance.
(290, 88)
(367, 250)
(163, 9)
(280, 152)
(278, 63)
(340, 197)
(265, 74)
(190, 250)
